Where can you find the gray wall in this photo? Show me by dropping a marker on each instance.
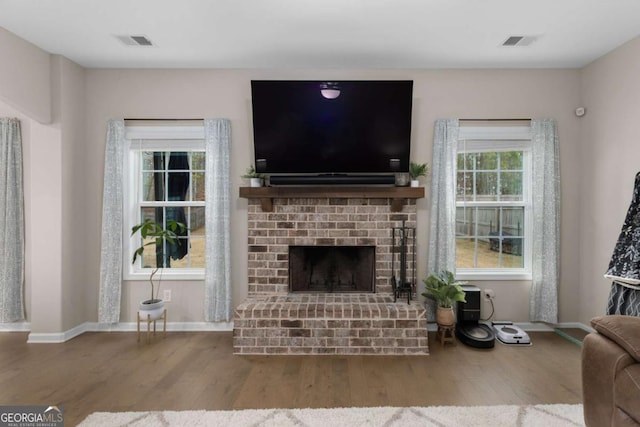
(443, 93)
(609, 160)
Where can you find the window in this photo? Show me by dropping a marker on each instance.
(164, 181)
(493, 203)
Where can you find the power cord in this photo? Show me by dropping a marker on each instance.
(493, 310)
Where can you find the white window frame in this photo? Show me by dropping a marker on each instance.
(494, 139)
(149, 138)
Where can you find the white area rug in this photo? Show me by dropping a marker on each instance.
(441, 416)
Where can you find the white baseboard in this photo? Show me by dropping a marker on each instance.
(576, 325)
(546, 327)
(56, 337)
(60, 337)
(535, 326)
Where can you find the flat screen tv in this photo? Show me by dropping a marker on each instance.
(331, 127)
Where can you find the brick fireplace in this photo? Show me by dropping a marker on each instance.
(344, 317)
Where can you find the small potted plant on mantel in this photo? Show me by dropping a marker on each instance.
(416, 170)
(445, 290)
(153, 233)
(254, 177)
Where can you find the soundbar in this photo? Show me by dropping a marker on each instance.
(332, 180)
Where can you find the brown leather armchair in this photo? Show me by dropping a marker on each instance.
(611, 372)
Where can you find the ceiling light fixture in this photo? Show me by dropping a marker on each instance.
(330, 90)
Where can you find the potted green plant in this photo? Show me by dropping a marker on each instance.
(445, 290)
(254, 177)
(416, 170)
(152, 233)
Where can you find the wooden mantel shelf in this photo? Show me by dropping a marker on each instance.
(396, 194)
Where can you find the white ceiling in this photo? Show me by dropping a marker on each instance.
(325, 33)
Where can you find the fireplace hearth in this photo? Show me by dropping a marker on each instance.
(332, 268)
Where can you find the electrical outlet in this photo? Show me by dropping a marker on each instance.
(489, 294)
(166, 295)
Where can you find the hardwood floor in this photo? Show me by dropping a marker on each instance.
(197, 370)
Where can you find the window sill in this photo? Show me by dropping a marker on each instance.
(165, 276)
(493, 276)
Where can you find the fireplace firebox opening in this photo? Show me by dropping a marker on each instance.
(332, 268)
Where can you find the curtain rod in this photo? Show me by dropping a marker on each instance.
(494, 120)
(164, 120)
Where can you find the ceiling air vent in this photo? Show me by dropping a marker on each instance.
(135, 40)
(519, 40)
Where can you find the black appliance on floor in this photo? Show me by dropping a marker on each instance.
(469, 330)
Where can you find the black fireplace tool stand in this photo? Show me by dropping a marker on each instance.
(403, 262)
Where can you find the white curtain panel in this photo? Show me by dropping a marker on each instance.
(112, 223)
(11, 222)
(217, 278)
(546, 221)
(442, 233)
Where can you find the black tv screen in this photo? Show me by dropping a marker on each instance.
(331, 127)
